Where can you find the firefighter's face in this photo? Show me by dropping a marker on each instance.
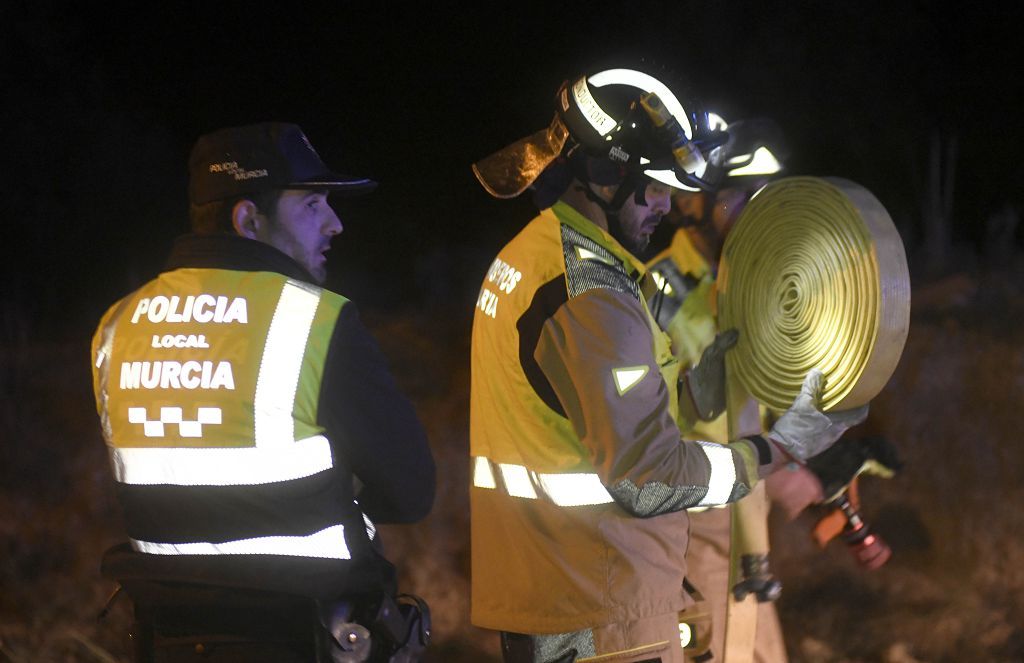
(639, 221)
(728, 205)
(302, 227)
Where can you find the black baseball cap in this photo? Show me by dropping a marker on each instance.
(259, 157)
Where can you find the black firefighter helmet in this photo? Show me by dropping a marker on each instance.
(627, 123)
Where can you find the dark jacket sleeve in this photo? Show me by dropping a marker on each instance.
(374, 428)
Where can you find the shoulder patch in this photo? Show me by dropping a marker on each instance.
(588, 265)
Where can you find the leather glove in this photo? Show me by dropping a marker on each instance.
(803, 430)
(838, 465)
(706, 380)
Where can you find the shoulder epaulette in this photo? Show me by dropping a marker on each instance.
(588, 265)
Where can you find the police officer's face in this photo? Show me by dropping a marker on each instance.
(302, 228)
(639, 221)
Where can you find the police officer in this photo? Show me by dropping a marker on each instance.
(580, 479)
(255, 432)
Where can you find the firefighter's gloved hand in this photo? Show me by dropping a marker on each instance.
(838, 465)
(706, 380)
(805, 431)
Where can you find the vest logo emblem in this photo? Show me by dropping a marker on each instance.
(208, 416)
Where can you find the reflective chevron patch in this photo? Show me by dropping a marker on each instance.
(626, 378)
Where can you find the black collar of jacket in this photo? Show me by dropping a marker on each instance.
(232, 252)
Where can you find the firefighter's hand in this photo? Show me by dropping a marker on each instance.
(706, 380)
(793, 488)
(805, 431)
(837, 466)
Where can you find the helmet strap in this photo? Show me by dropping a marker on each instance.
(631, 185)
(602, 172)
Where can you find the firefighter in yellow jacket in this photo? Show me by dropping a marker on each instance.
(684, 306)
(580, 477)
(254, 429)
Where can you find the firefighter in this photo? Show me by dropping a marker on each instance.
(255, 432)
(580, 477)
(684, 307)
(753, 155)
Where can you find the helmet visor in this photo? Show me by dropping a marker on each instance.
(510, 171)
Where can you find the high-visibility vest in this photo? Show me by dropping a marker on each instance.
(207, 384)
(552, 551)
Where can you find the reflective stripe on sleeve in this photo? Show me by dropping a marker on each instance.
(569, 489)
(483, 477)
(574, 489)
(586, 488)
(517, 480)
(220, 466)
(723, 473)
(328, 543)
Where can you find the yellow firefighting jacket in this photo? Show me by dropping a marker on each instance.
(580, 479)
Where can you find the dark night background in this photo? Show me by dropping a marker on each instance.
(917, 101)
(102, 105)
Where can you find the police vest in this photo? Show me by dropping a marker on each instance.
(207, 384)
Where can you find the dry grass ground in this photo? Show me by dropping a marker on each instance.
(954, 588)
(953, 591)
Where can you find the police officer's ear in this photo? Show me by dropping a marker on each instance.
(247, 219)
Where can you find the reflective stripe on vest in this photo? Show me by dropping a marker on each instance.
(178, 466)
(570, 489)
(276, 456)
(279, 370)
(585, 488)
(328, 543)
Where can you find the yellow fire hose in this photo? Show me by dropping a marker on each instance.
(813, 275)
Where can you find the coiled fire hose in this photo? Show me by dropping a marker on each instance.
(814, 275)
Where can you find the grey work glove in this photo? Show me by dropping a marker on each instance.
(803, 430)
(706, 380)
